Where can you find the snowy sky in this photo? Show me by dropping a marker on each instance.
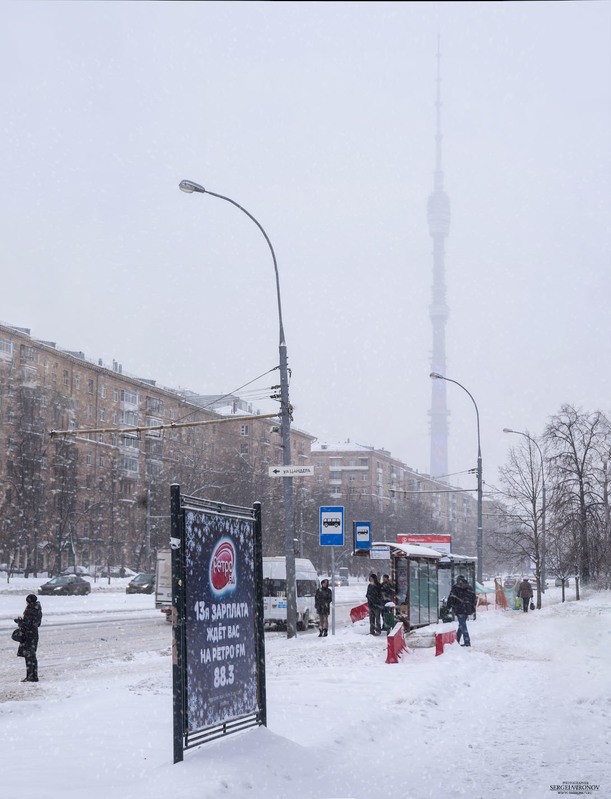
(319, 119)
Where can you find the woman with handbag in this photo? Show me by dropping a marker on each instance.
(28, 625)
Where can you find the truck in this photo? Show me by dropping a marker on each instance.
(163, 583)
(274, 591)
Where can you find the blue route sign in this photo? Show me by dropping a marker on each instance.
(332, 526)
(362, 535)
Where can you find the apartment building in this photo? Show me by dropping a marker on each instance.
(88, 452)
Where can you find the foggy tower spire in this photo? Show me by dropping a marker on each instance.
(438, 216)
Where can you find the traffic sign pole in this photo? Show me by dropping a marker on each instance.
(332, 590)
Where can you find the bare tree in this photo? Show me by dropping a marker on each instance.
(575, 440)
(521, 536)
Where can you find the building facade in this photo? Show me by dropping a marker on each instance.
(88, 454)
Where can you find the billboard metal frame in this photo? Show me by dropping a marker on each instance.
(184, 738)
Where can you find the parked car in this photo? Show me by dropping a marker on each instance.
(84, 572)
(65, 585)
(117, 571)
(142, 584)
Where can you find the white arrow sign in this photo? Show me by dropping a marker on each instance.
(291, 471)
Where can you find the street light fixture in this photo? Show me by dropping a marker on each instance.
(480, 532)
(190, 187)
(543, 505)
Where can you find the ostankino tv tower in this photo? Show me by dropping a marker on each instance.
(438, 214)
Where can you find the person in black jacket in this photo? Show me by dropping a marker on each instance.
(29, 623)
(388, 594)
(322, 602)
(375, 600)
(462, 602)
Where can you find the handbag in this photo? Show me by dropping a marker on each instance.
(18, 635)
(532, 605)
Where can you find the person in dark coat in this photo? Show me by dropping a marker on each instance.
(29, 623)
(375, 600)
(525, 591)
(388, 594)
(462, 602)
(322, 602)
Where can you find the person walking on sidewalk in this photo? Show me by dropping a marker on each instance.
(462, 602)
(29, 624)
(525, 592)
(322, 602)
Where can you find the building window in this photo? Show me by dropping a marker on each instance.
(102, 413)
(364, 462)
(101, 461)
(88, 459)
(243, 429)
(90, 411)
(6, 347)
(90, 386)
(129, 464)
(244, 448)
(77, 381)
(130, 397)
(103, 391)
(335, 463)
(27, 353)
(115, 394)
(66, 377)
(154, 405)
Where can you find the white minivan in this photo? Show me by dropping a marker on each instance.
(274, 591)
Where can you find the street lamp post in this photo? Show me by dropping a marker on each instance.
(480, 532)
(543, 505)
(190, 187)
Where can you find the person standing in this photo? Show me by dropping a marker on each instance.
(388, 594)
(462, 602)
(29, 624)
(375, 601)
(525, 592)
(322, 602)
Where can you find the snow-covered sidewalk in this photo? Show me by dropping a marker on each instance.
(527, 708)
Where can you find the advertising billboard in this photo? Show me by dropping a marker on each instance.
(221, 666)
(218, 643)
(440, 543)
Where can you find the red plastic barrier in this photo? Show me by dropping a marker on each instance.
(359, 612)
(444, 638)
(396, 643)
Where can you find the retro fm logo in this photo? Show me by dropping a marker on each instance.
(223, 567)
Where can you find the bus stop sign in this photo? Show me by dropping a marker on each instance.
(331, 526)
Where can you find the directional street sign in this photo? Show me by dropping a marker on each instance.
(291, 471)
(332, 526)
